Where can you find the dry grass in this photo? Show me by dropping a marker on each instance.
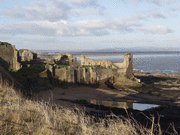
(19, 116)
(127, 83)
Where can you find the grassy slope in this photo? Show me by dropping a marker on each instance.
(21, 116)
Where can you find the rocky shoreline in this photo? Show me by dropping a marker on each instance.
(163, 85)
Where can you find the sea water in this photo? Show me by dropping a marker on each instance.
(152, 63)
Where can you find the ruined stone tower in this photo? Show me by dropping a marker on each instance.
(9, 56)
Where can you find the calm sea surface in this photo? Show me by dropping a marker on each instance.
(153, 63)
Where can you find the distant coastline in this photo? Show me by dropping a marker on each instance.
(122, 53)
(97, 54)
(54, 52)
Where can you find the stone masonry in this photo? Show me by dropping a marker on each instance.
(103, 63)
(67, 59)
(9, 56)
(125, 68)
(90, 75)
(85, 75)
(27, 55)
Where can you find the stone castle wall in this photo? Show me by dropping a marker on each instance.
(103, 63)
(16, 64)
(76, 75)
(84, 75)
(67, 59)
(90, 75)
(124, 68)
(9, 56)
(26, 55)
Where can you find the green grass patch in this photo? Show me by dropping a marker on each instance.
(29, 71)
(87, 66)
(61, 66)
(38, 65)
(32, 70)
(78, 66)
(13, 71)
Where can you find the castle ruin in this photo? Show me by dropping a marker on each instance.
(9, 56)
(88, 72)
(124, 68)
(101, 69)
(66, 59)
(26, 55)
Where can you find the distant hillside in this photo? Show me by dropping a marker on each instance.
(139, 49)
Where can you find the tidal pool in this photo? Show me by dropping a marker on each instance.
(142, 107)
(130, 104)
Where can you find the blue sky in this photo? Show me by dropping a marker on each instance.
(90, 24)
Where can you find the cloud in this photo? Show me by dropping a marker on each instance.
(123, 24)
(45, 28)
(84, 3)
(154, 13)
(139, 17)
(174, 9)
(79, 12)
(38, 12)
(158, 15)
(38, 4)
(99, 27)
(91, 28)
(156, 2)
(80, 28)
(159, 29)
(55, 10)
(59, 4)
